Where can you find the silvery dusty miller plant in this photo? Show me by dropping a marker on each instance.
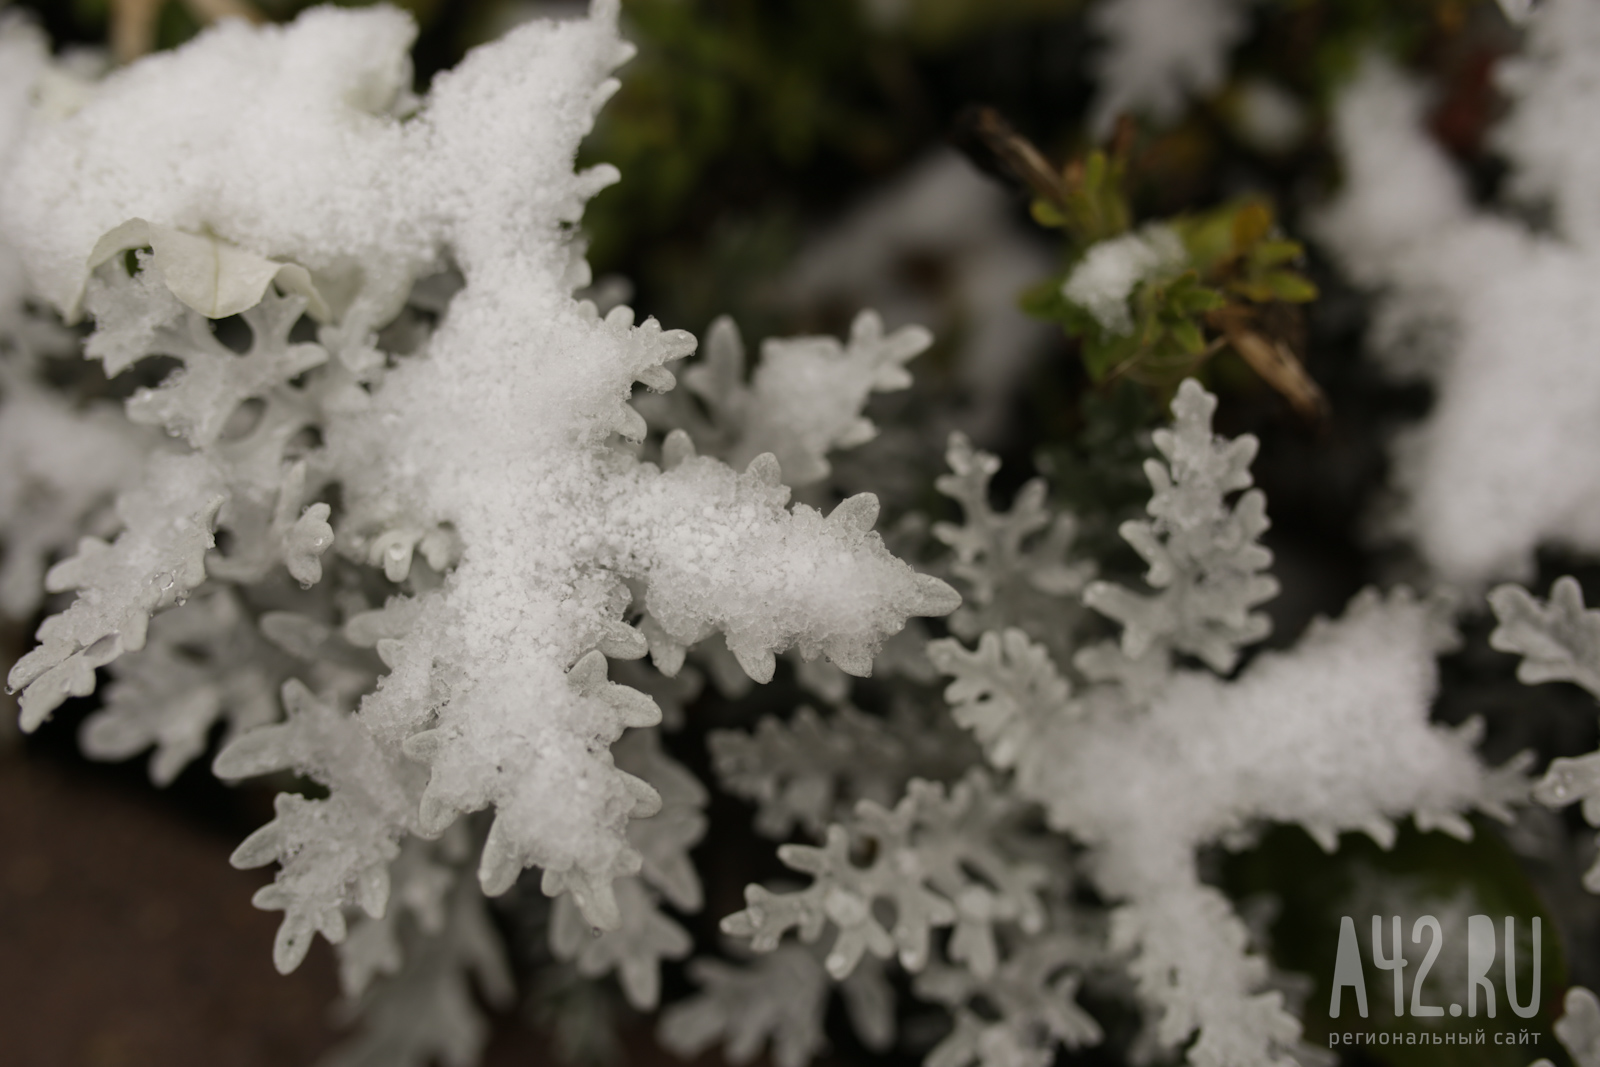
(398, 523)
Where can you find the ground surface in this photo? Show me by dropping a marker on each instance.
(126, 939)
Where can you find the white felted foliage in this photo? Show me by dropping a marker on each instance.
(1205, 559)
(781, 997)
(60, 469)
(958, 859)
(1006, 691)
(422, 879)
(634, 949)
(423, 1010)
(1559, 641)
(1497, 316)
(1034, 994)
(156, 561)
(289, 166)
(1578, 1029)
(803, 400)
(303, 160)
(1013, 564)
(198, 401)
(645, 935)
(813, 769)
(940, 857)
(334, 851)
(204, 662)
(1144, 762)
(241, 483)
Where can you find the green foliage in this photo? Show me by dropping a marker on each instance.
(1095, 463)
(771, 85)
(1167, 340)
(1092, 202)
(1227, 270)
(1236, 249)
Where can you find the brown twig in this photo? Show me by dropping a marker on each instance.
(133, 22)
(133, 28)
(1014, 153)
(1276, 363)
(208, 11)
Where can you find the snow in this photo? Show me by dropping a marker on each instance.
(1498, 317)
(490, 453)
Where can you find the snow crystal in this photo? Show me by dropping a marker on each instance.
(1110, 271)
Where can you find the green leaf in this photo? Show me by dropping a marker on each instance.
(1192, 298)
(1047, 214)
(1252, 221)
(1102, 355)
(1208, 237)
(1188, 336)
(1044, 300)
(1276, 252)
(1289, 286)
